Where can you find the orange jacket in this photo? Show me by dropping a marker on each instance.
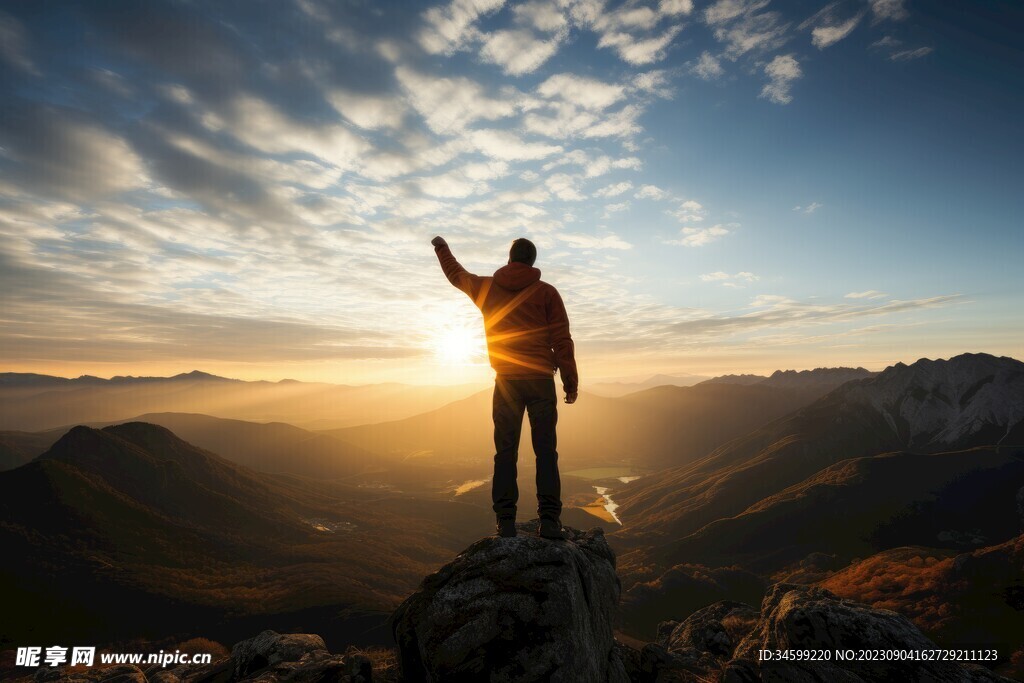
(525, 321)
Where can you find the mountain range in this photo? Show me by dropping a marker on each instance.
(111, 523)
(867, 468)
(902, 489)
(31, 402)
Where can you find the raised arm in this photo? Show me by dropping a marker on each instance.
(562, 345)
(453, 270)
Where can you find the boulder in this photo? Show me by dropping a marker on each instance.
(798, 617)
(516, 609)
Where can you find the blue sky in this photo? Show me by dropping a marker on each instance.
(729, 186)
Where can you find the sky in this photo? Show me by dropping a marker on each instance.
(250, 188)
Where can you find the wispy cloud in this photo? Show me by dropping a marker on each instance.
(810, 208)
(707, 67)
(907, 55)
(699, 237)
(734, 280)
(894, 10)
(782, 72)
(742, 27)
(829, 26)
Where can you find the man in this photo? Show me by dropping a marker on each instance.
(528, 339)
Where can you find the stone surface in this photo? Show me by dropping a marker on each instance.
(516, 609)
(796, 617)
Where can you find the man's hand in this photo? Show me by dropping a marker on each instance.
(570, 397)
(438, 242)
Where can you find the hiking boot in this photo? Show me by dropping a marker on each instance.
(550, 528)
(506, 528)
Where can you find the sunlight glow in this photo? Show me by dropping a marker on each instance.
(459, 343)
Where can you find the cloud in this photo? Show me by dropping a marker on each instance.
(639, 51)
(449, 105)
(14, 45)
(654, 82)
(264, 127)
(506, 146)
(369, 112)
(593, 166)
(541, 15)
(829, 27)
(518, 52)
(707, 67)
(689, 211)
(888, 9)
(581, 241)
(907, 55)
(869, 294)
(581, 91)
(699, 237)
(773, 312)
(59, 153)
(781, 72)
(675, 7)
(651, 192)
(743, 28)
(565, 187)
(810, 208)
(629, 29)
(610, 209)
(614, 190)
(734, 281)
(449, 28)
(886, 42)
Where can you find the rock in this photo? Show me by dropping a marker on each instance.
(271, 657)
(717, 629)
(270, 648)
(796, 617)
(697, 647)
(515, 609)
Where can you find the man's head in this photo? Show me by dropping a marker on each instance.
(522, 251)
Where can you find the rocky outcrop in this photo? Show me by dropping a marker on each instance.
(516, 609)
(723, 642)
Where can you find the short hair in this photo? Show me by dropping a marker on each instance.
(522, 251)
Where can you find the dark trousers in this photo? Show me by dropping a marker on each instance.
(537, 398)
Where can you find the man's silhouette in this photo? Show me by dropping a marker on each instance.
(528, 338)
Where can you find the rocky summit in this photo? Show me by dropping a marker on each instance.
(516, 609)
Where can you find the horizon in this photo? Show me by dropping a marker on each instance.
(630, 379)
(727, 187)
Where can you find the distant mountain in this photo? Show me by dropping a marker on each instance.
(32, 403)
(113, 525)
(623, 387)
(735, 379)
(17, 448)
(650, 429)
(31, 379)
(825, 378)
(269, 447)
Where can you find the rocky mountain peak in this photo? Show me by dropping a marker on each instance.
(933, 403)
(819, 376)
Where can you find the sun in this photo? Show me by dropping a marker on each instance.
(457, 343)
